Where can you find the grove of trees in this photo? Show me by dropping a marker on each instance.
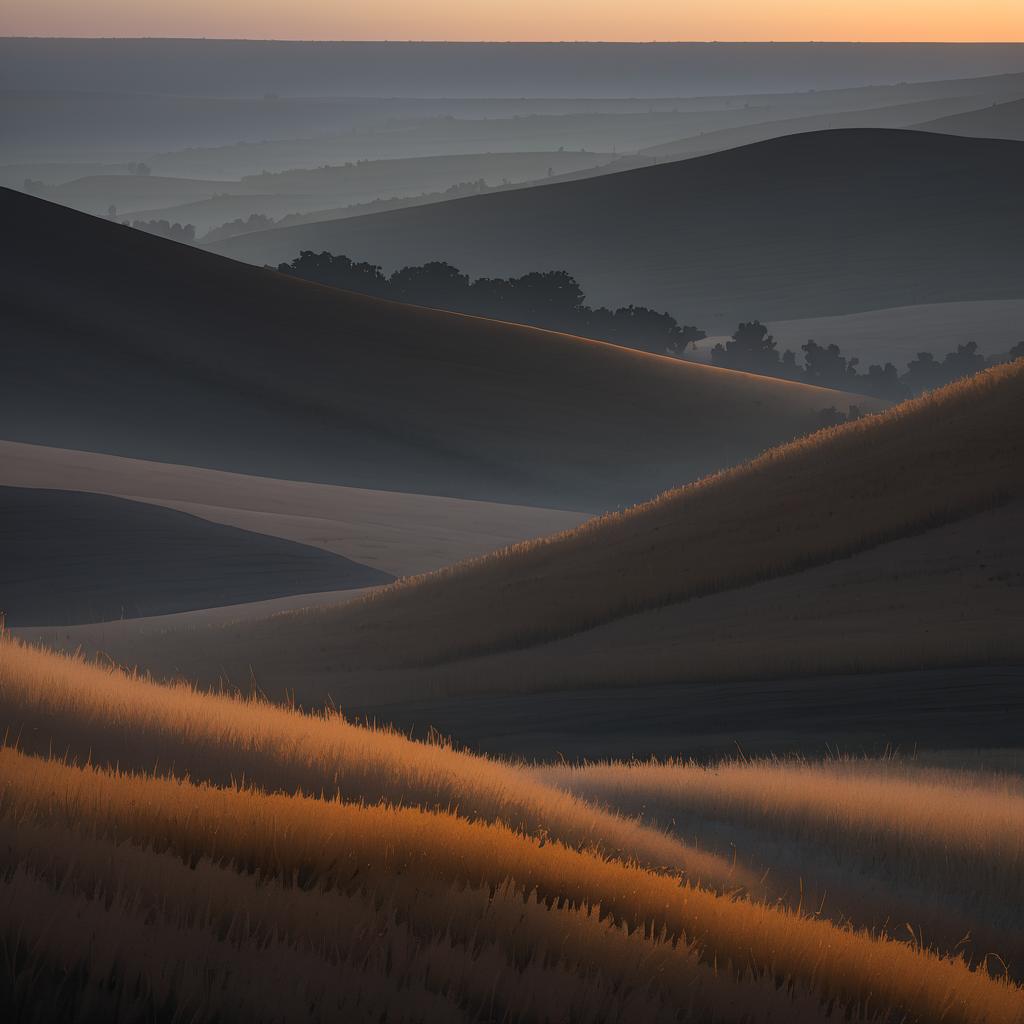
(753, 349)
(551, 299)
(554, 299)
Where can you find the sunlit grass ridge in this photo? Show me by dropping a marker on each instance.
(336, 899)
(332, 845)
(925, 462)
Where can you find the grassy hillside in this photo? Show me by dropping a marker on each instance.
(198, 360)
(90, 711)
(815, 224)
(926, 462)
(299, 896)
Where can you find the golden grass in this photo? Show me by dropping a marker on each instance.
(64, 705)
(370, 877)
(330, 845)
(946, 828)
(270, 948)
(929, 461)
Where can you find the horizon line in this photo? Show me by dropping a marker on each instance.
(533, 42)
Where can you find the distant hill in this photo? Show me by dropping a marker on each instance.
(895, 115)
(400, 534)
(72, 557)
(120, 342)
(899, 333)
(814, 224)
(997, 121)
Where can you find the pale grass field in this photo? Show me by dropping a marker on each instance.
(927, 462)
(353, 873)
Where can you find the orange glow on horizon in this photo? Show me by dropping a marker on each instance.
(529, 20)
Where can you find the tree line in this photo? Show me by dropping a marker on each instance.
(554, 300)
(753, 349)
(550, 299)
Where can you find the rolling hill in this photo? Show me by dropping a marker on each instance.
(73, 557)
(900, 534)
(123, 343)
(169, 852)
(996, 121)
(815, 224)
(896, 115)
(211, 203)
(399, 534)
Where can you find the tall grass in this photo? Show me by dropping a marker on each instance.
(257, 948)
(324, 844)
(61, 704)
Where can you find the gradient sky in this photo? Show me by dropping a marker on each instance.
(861, 20)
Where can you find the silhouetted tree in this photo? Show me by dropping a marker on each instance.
(925, 372)
(828, 367)
(436, 284)
(884, 382)
(551, 299)
(687, 337)
(964, 362)
(751, 348)
(1017, 351)
(338, 272)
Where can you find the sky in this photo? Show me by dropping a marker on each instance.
(525, 20)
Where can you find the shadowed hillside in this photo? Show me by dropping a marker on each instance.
(121, 342)
(816, 224)
(401, 534)
(72, 557)
(928, 462)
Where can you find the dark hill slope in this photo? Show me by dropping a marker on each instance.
(121, 342)
(814, 224)
(71, 557)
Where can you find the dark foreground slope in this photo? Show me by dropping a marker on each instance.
(71, 557)
(121, 342)
(815, 224)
